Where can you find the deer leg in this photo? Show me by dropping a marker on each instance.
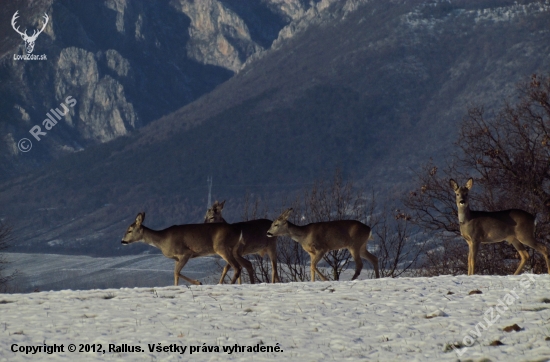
(315, 258)
(523, 254)
(244, 263)
(228, 257)
(541, 248)
(179, 266)
(472, 255)
(355, 254)
(311, 267)
(237, 254)
(544, 251)
(371, 258)
(224, 273)
(272, 252)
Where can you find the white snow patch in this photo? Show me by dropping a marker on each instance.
(378, 320)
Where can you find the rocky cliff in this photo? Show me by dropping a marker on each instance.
(126, 63)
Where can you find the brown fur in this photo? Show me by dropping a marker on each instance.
(321, 237)
(255, 239)
(482, 227)
(183, 242)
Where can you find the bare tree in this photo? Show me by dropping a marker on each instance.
(398, 251)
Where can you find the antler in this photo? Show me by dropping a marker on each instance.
(24, 35)
(14, 17)
(35, 34)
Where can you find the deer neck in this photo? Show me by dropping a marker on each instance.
(152, 237)
(464, 214)
(297, 233)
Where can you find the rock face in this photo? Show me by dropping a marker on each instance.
(217, 35)
(226, 33)
(126, 63)
(104, 113)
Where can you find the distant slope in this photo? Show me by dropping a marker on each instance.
(375, 88)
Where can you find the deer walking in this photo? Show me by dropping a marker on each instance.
(483, 227)
(183, 242)
(319, 238)
(255, 238)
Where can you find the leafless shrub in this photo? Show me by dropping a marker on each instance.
(6, 238)
(398, 252)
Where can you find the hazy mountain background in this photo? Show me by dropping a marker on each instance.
(266, 97)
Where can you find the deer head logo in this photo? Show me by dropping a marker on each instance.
(29, 40)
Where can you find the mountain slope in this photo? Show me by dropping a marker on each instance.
(375, 88)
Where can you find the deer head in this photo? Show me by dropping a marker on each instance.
(134, 231)
(462, 192)
(280, 224)
(214, 214)
(29, 40)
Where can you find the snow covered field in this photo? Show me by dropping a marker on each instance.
(405, 319)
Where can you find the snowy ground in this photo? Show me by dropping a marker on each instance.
(412, 319)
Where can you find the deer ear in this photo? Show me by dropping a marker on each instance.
(470, 183)
(287, 213)
(139, 218)
(221, 205)
(453, 184)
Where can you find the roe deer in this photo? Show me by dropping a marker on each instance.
(255, 238)
(476, 227)
(320, 237)
(183, 242)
